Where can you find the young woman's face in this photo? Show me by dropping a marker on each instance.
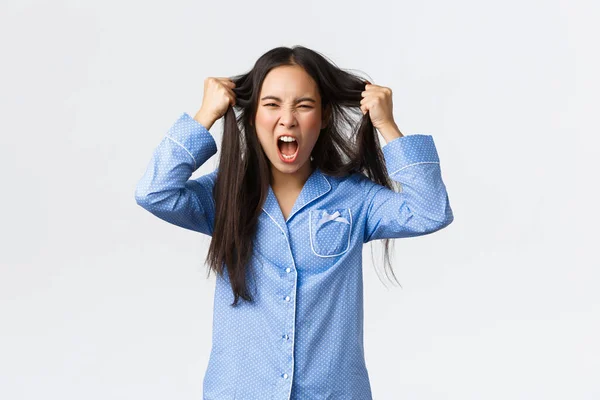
(289, 104)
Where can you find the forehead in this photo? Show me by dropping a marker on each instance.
(289, 81)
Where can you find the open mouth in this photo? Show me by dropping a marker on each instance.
(288, 150)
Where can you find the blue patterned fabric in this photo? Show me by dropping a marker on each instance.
(303, 336)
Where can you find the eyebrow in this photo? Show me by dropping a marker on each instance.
(298, 100)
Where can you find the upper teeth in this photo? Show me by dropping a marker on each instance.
(287, 139)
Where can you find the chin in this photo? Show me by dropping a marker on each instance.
(288, 168)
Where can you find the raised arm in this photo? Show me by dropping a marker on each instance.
(422, 206)
(165, 189)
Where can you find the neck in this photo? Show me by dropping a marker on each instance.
(293, 180)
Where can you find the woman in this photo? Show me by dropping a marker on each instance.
(300, 187)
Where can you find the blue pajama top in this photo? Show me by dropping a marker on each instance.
(303, 336)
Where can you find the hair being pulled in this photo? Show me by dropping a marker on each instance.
(347, 144)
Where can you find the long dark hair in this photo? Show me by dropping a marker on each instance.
(244, 171)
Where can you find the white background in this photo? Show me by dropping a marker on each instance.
(99, 299)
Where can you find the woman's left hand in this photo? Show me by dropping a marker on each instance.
(378, 101)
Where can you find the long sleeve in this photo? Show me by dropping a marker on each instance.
(422, 206)
(166, 189)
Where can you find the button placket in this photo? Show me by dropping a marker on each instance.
(286, 337)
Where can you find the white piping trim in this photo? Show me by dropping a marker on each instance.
(311, 238)
(294, 298)
(282, 231)
(311, 200)
(417, 163)
(184, 149)
(307, 203)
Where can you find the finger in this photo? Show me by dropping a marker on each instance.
(226, 82)
(231, 94)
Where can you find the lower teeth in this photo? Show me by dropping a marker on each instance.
(287, 157)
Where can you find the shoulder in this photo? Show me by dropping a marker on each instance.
(356, 181)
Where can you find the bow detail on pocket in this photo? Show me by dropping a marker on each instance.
(325, 217)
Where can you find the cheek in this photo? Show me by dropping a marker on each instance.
(312, 128)
(313, 123)
(263, 129)
(264, 119)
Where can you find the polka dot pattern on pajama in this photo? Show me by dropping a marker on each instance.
(303, 336)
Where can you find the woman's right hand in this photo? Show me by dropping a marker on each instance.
(218, 97)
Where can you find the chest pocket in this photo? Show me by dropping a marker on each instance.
(329, 231)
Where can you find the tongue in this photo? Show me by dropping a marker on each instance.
(288, 148)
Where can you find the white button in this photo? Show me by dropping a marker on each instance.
(288, 269)
(287, 298)
(285, 336)
(285, 376)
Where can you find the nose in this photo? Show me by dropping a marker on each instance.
(287, 117)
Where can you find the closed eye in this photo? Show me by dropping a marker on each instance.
(273, 104)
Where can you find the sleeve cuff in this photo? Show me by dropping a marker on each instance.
(194, 138)
(407, 150)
